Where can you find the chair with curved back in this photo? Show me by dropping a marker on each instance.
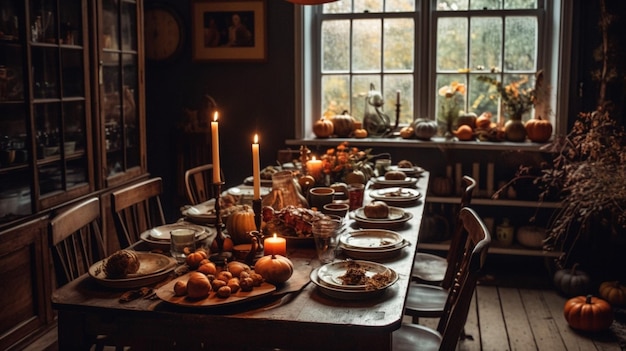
(198, 184)
(136, 209)
(475, 244)
(432, 269)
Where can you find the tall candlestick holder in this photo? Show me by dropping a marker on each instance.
(256, 248)
(395, 127)
(221, 256)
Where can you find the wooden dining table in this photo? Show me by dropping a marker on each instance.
(296, 316)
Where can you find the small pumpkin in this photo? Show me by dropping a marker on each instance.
(588, 313)
(424, 128)
(407, 132)
(464, 133)
(343, 124)
(239, 224)
(538, 129)
(572, 282)
(483, 121)
(275, 269)
(467, 119)
(613, 292)
(193, 259)
(323, 128)
(360, 133)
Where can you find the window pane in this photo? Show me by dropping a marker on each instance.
(520, 4)
(343, 6)
(486, 42)
(521, 43)
(361, 6)
(335, 46)
(366, 45)
(399, 84)
(451, 44)
(452, 5)
(399, 5)
(360, 87)
(335, 94)
(486, 5)
(399, 44)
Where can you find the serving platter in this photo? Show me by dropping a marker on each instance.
(371, 239)
(408, 181)
(152, 268)
(344, 294)
(166, 293)
(395, 194)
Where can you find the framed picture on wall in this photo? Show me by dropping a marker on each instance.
(229, 30)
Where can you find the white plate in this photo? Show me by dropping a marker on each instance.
(383, 223)
(416, 170)
(330, 274)
(373, 255)
(343, 294)
(208, 235)
(371, 239)
(152, 268)
(162, 233)
(408, 181)
(395, 213)
(395, 194)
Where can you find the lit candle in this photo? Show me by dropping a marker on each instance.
(275, 246)
(256, 168)
(314, 168)
(215, 143)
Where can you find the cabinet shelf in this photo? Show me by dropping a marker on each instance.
(514, 249)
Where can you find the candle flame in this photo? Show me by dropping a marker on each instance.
(256, 138)
(215, 116)
(275, 235)
(313, 159)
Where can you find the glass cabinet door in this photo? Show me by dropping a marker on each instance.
(120, 88)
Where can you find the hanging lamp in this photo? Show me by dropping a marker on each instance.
(310, 2)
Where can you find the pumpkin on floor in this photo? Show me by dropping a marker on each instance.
(572, 282)
(588, 313)
(613, 292)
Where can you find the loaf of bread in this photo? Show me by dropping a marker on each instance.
(376, 210)
(395, 175)
(405, 164)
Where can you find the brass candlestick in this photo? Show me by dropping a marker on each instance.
(221, 256)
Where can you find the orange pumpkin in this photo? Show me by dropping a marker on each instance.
(483, 121)
(274, 268)
(613, 292)
(343, 125)
(464, 133)
(407, 132)
(193, 259)
(588, 313)
(198, 286)
(239, 224)
(323, 128)
(360, 133)
(538, 130)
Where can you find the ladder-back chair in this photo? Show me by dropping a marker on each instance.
(198, 184)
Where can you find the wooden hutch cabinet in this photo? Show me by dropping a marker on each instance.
(72, 125)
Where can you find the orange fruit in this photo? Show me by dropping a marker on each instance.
(198, 285)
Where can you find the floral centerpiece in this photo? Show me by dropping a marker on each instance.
(451, 103)
(339, 162)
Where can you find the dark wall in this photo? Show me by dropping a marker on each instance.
(252, 97)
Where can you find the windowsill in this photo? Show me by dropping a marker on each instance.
(436, 142)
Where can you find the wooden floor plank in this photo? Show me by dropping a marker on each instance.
(517, 325)
(544, 328)
(491, 322)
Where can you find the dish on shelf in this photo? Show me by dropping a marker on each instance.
(153, 268)
(166, 293)
(395, 194)
(371, 239)
(381, 181)
(347, 294)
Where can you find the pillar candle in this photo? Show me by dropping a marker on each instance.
(275, 246)
(215, 143)
(314, 168)
(256, 168)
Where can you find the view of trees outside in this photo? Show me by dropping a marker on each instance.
(377, 44)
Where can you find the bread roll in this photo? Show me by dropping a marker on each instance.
(405, 164)
(395, 175)
(376, 210)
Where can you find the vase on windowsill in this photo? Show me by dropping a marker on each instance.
(514, 129)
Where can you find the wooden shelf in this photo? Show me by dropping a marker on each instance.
(514, 249)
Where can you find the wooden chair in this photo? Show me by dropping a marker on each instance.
(433, 268)
(76, 244)
(198, 184)
(427, 300)
(136, 209)
(450, 327)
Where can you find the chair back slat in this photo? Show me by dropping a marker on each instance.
(136, 209)
(76, 240)
(198, 184)
(462, 289)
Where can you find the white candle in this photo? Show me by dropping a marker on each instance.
(256, 168)
(215, 143)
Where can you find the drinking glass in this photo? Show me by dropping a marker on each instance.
(182, 243)
(325, 234)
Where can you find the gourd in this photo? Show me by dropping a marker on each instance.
(275, 269)
(239, 224)
(571, 281)
(464, 133)
(198, 286)
(483, 121)
(531, 236)
(467, 119)
(514, 130)
(588, 313)
(193, 259)
(424, 128)
(323, 128)
(613, 292)
(407, 132)
(343, 125)
(538, 130)
(360, 133)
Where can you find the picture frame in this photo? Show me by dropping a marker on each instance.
(224, 30)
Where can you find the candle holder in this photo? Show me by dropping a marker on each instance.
(395, 127)
(221, 256)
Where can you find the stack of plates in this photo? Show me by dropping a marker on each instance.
(411, 172)
(328, 279)
(159, 237)
(397, 218)
(395, 195)
(381, 182)
(372, 244)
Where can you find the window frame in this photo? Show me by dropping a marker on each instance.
(556, 62)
